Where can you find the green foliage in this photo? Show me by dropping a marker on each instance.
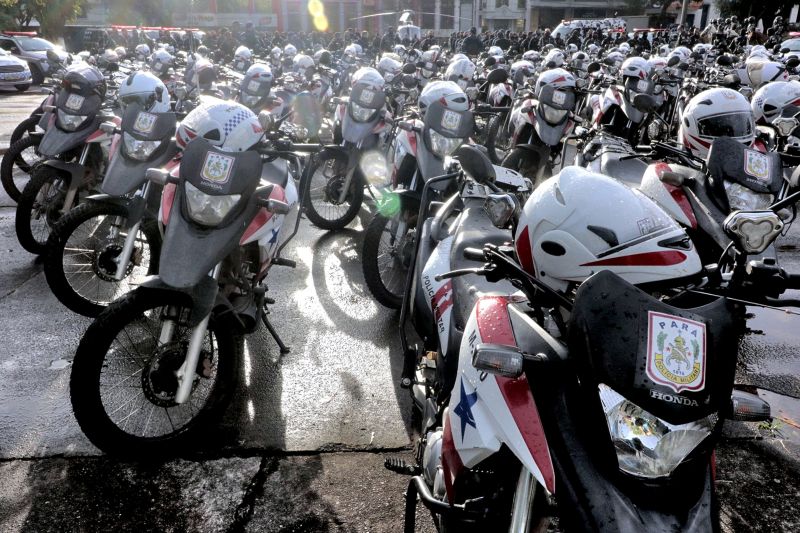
(139, 12)
(51, 14)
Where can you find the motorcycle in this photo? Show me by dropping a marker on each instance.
(419, 156)
(579, 398)
(77, 150)
(223, 214)
(108, 244)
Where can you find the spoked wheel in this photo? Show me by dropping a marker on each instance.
(322, 200)
(123, 381)
(386, 257)
(498, 143)
(39, 208)
(82, 251)
(18, 162)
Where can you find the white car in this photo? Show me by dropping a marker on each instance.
(14, 72)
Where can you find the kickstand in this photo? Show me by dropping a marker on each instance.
(271, 329)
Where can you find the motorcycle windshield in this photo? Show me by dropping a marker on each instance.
(213, 205)
(676, 363)
(57, 139)
(145, 144)
(730, 160)
(448, 122)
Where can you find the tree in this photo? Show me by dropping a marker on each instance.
(139, 12)
(52, 15)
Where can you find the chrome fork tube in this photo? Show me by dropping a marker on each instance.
(187, 370)
(130, 241)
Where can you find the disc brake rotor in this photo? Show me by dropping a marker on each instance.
(160, 375)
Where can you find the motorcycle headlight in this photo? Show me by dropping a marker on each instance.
(462, 83)
(137, 149)
(207, 209)
(427, 73)
(553, 115)
(647, 446)
(360, 113)
(443, 146)
(741, 198)
(71, 122)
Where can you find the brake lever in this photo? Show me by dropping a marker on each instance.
(460, 272)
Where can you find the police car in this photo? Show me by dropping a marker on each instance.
(14, 72)
(31, 49)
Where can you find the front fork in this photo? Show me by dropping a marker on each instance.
(186, 372)
(73, 186)
(124, 257)
(351, 171)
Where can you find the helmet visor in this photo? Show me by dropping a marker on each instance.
(727, 125)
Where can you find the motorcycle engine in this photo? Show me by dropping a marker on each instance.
(432, 462)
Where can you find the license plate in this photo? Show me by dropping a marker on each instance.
(12, 76)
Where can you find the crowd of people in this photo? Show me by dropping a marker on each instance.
(730, 33)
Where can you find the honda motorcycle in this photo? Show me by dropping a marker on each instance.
(77, 151)
(611, 401)
(105, 247)
(223, 214)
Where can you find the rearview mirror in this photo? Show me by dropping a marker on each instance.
(674, 60)
(724, 60)
(409, 68)
(593, 67)
(793, 62)
(52, 56)
(785, 50)
(475, 163)
(644, 103)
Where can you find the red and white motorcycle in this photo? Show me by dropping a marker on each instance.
(223, 210)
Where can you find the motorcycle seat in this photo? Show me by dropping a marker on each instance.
(475, 231)
(276, 172)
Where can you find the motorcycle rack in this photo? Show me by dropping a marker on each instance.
(418, 488)
(410, 354)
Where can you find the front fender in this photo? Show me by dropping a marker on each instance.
(76, 171)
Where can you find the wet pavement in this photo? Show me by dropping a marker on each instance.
(305, 438)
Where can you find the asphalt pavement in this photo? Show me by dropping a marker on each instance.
(305, 438)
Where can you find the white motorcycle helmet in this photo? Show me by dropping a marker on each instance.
(458, 57)
(762, 72)
(533, 56)
(142, 52)
(276, 53)
(351, 49)
(121, 53)
(580, 60)
(758, 51)
(389, 68)
(572, 48)
(557, 77)
(635, 67)
(227, 125)
(496, 51)
(555, 56)
(521, 69)
(145, 90)
(160, 62)
(446, 91)
(770, 101)
(303, 64)
(593, 49)
(578, 222)
(370, 77)
(400, 50)
(289, 51)
(202, 74)
(462, 72)
(625, 48)
(615, 58)
(242, 58)
(716, 113)
(657, 64)
(108, 57)
(682, 52)
(663, 50)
